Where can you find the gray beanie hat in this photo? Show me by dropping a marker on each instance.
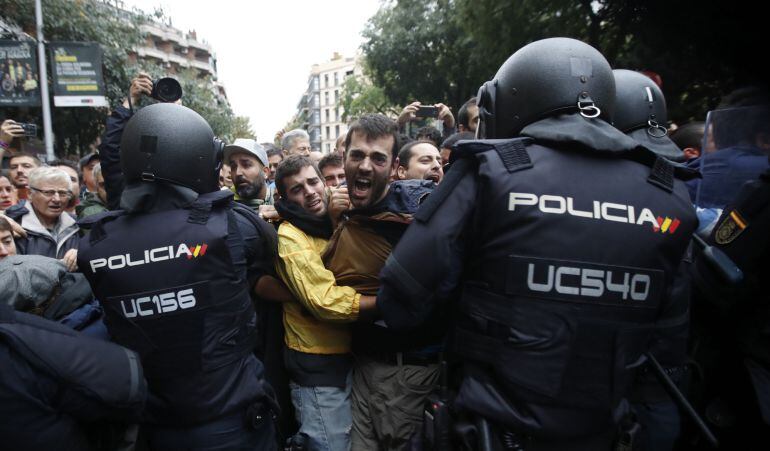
(27, 281)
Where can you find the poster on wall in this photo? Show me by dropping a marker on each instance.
(19, 76)
(77, 74)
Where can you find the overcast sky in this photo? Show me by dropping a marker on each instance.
(265, 48)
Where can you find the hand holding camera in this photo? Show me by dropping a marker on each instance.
(163, 90)
(416, 110)
(10, 130)
(141, 85)
(409, 113)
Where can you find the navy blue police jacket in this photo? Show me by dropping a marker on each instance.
(174, 283)
(556, 253)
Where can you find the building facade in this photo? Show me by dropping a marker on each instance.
(175, 50)
(320, 110)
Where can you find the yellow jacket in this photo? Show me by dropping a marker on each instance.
(315, 321)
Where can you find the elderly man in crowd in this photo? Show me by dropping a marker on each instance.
(50, 230)
(296, 142)
(71, 168)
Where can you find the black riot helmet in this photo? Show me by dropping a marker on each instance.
(170, 143)
(640, 112)
(544, 78)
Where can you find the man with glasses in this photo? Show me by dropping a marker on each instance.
(49, 232)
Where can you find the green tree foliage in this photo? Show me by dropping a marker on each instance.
(359, 96)
(241, 128)
(418, 51)
(637, 35)
(117, 32)
(433, 50)
(88, 21)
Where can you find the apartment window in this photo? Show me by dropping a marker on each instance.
(316, 100)
(336, 131)
(327, 115)
(336, 96)
(328, 148)
(316, 117)
(328, 132)
(326, 80)
(326, 98)
(336, 79)
(315, 83)
(337, 114)
(348, 73)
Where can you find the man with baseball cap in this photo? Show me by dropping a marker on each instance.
(249, 169)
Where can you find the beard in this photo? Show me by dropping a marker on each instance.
(250, 190)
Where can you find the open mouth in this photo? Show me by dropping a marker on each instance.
(433, 177)
(313, 204)
(361, 187)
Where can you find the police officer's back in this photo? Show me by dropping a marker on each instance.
(640, 112)
(172, 271)
(568, 236)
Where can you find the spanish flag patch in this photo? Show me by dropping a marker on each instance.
(730, 227)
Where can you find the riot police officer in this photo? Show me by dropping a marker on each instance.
(640, 112)
(173, 272)
(553, 236)
(731, 337)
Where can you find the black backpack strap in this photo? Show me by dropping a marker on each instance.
(662, 174)
(95, 223)
(266, 230)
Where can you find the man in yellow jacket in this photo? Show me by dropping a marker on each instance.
(317, 354)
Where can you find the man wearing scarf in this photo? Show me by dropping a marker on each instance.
(318, 340)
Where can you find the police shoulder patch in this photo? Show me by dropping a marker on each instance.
(731, 226)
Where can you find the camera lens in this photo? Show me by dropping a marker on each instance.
(168, 90)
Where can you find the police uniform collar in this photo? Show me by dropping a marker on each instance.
(572, 131)
(156, 196)
(661, 145)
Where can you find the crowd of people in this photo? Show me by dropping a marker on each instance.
(523, 268)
